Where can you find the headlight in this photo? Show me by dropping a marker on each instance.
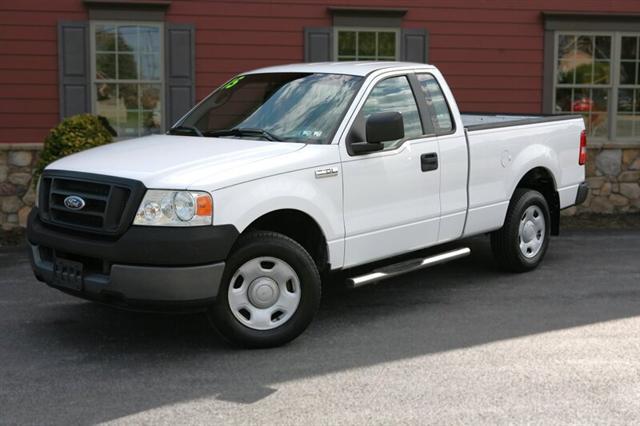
(175, 208)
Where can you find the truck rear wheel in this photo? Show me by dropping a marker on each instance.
(522, 242)
(270, 291)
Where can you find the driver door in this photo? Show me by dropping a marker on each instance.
(392, 196)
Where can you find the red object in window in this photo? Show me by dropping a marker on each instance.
(583, 105)
(582, 158)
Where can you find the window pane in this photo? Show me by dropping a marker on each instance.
(566, 72)
(601, 72)
(584, 73)
(150, 66)
(566, 46)
(105, 66)
(394, 94)
(127, 67)
(600, 99)
(603, 47)
(593, 105)
(105, 38)
(625, 100)
(584, 48)
(106, 102)
(629, 48)
(598, 125)
(346, 43)
(367, 44)
(150, 96)
(150, 122)
(387, 44)
(433, 94)
(624, 125)
(628, 72)
(131, 125)
(129, 95)
(563, 100)
(149, 39)
(581, 100)
(127, 38)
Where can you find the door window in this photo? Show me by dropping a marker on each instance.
(394, 94)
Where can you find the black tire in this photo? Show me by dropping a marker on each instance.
(258, 244)
(505, 242)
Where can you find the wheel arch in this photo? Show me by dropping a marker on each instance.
(299, 226)
(541, 179)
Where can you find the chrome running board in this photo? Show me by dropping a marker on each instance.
(406, 266)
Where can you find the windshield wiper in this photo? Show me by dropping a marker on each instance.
(180, 129)
(243, 131)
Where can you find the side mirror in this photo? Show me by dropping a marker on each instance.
(384, 127)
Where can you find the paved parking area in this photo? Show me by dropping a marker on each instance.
(460, 343)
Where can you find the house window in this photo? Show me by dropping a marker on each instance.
(628, 90)
(127, 76)
(366, 44)
(596, 75)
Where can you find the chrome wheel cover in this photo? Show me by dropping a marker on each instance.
(264, 293)
(531, 231)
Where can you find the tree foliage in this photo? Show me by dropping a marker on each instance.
(73, 134)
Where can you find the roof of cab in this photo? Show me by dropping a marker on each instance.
(349, 68)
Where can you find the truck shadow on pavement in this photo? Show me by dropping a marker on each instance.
(82, 362)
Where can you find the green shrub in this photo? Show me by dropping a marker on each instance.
(73, 134)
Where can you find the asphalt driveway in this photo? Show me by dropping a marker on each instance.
(459, 343)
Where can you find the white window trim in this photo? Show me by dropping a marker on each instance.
(366, 29)
(614, 79)
(92, 66)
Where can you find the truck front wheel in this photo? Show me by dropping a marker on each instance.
(270, 291)
(522, 242)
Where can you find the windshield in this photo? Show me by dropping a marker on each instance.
(296, 107)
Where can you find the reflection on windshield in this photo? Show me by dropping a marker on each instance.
(297, 107)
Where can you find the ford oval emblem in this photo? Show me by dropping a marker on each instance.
(73, 202)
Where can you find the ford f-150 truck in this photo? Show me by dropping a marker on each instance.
(286, 174)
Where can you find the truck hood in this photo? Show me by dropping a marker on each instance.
(176, 162)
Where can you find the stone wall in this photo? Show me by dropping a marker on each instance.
(613, 175)
(614, 181)
(17, 191)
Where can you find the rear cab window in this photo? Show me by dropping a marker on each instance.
(437, 103)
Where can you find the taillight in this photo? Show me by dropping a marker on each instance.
(582, 158)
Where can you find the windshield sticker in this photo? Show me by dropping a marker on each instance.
(311, 133)
(233, 82)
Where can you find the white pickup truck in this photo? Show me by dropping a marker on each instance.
(286, 174)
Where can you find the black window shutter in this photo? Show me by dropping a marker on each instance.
(180, 71)
(73, 68)
(414, 45)
(318, 46)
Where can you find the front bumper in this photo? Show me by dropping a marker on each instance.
(144, 268)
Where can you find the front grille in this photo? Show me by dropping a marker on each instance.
(109, 202)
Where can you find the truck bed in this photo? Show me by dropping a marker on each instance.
(481, 121)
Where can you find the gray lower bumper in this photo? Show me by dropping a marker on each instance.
(129, 284)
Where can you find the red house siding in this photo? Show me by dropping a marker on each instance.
(491, 51)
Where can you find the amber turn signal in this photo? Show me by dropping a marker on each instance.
(204, 205)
